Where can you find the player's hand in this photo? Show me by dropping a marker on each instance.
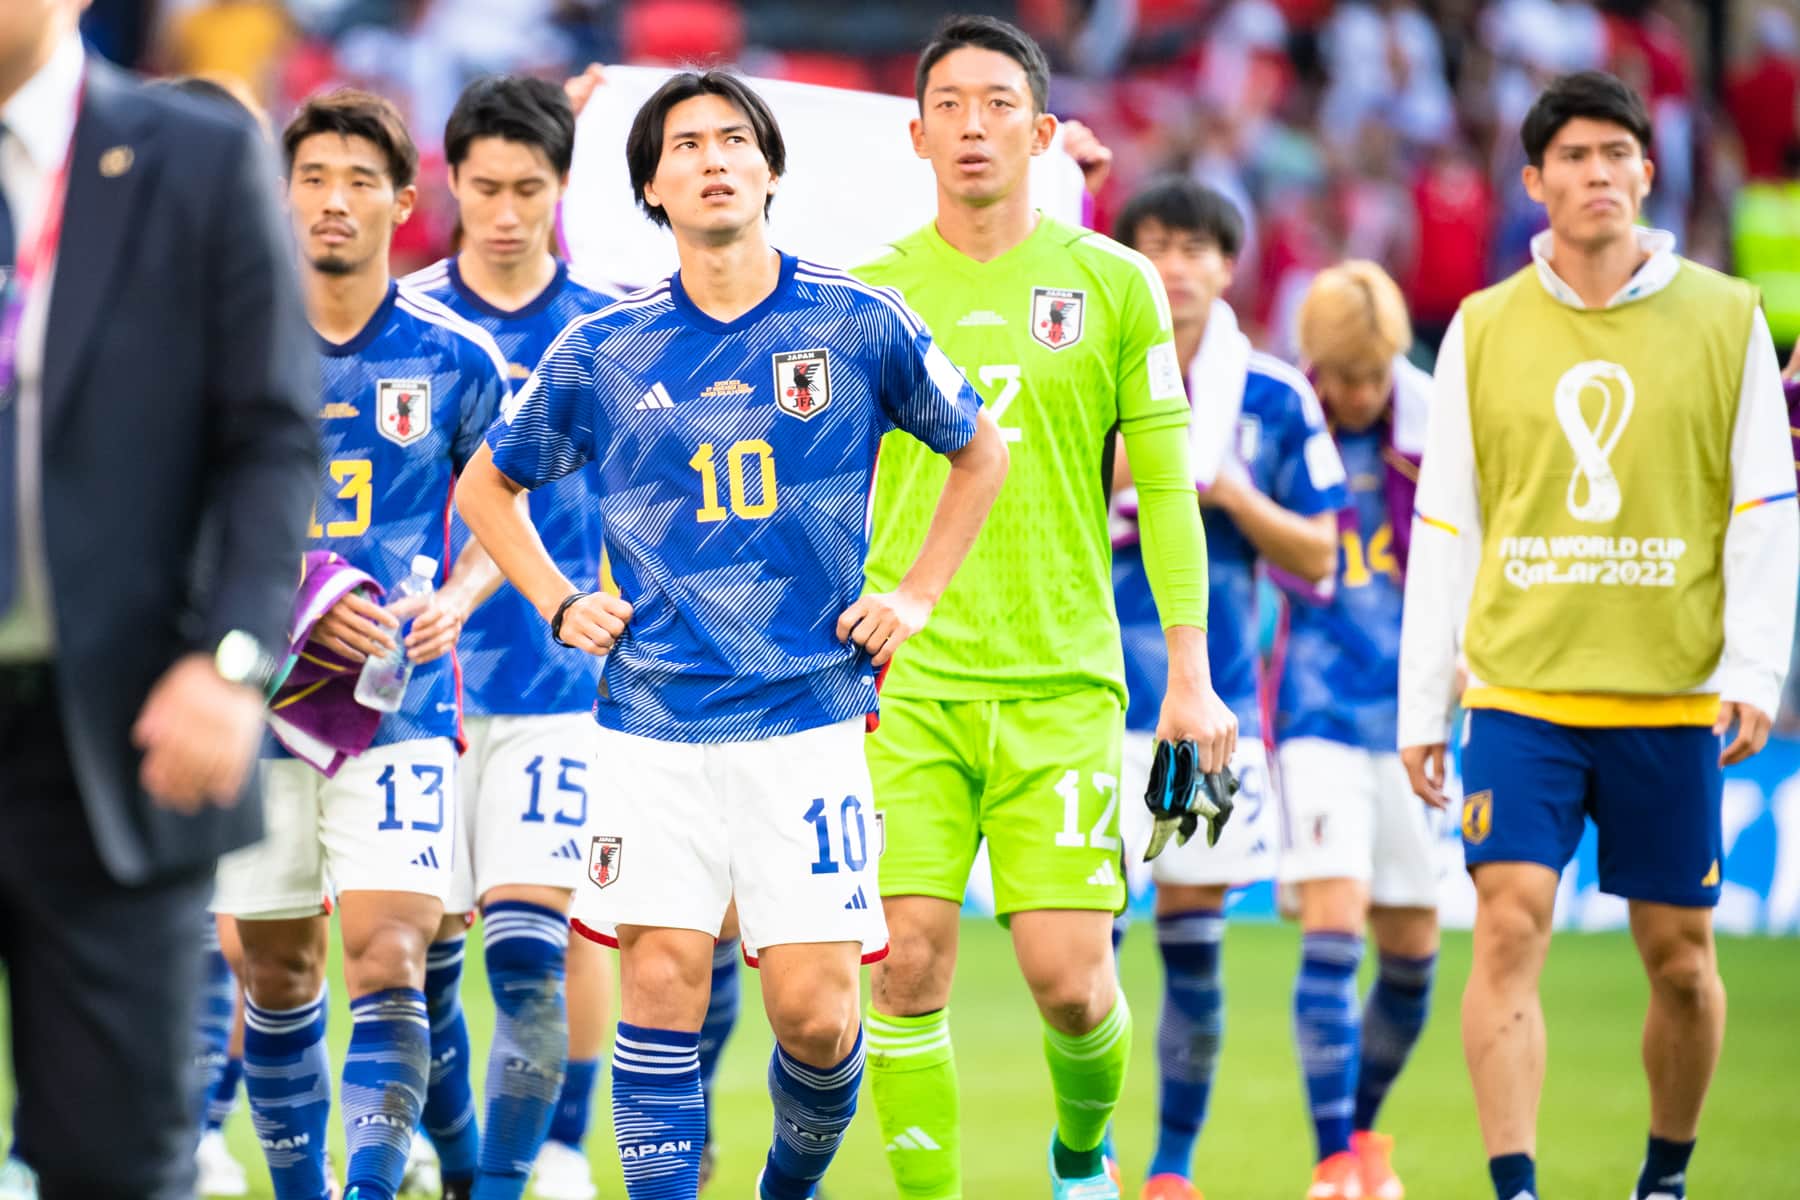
(1752, 730)
(1198, 715)
(595, 623)
(356, 627)
(580, 88)
(1425, 771)
(880, 621)
(199, 735)
(1090, 154)
(435, 631)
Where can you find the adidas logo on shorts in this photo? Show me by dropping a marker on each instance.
(1104, 875)
(914, 1139)
(857, 901)
(428, 859)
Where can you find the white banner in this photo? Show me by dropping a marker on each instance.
(852, 183)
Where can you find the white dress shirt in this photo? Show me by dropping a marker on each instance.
(39, 122)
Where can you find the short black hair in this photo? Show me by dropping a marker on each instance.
(516, 108)
(351, 112)
(644, 144)
(987, 33)
(1177, 202)
(1592, 94)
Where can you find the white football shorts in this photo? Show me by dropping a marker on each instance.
(386, 822)
(785, 824)
(1351, 814)
(1247, 848)
(527, 788)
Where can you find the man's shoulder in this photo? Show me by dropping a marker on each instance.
(1714, 287)
(847, 291)
(179, 126)
(1275, 387)
(434, 324)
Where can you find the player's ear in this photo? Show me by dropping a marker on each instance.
(1533, 179)
(650, 200)
(404, 200)
(1043, 132)
(1649, 175)
(916, 127)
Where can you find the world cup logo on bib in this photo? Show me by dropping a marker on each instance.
(1593, 488)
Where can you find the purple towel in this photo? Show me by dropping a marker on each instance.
(1792, 388)
(314, 712)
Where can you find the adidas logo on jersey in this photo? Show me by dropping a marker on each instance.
(914, 1139)
(656, 397)
(428, 859)
(1104, 875)
(857, 901)
(567, 850)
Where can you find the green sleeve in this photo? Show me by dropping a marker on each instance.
(1169, 528)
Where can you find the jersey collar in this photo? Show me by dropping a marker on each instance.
(530, 308)
(964, 264)
(366, 334)
(692, 314)
(1652, 277)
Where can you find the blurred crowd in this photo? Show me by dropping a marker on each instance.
(1383, 130)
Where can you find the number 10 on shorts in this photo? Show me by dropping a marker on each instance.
(852, 840)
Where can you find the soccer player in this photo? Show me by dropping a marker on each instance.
(1272, 502)
(733, 414)
(1003, 719)
(528, 779)
(407, 389)
(1608, 502)
(1359, 845)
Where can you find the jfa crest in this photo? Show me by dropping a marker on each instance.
(803, 382)
(1478, 817)
(603, 860)
(1057, 316)
(403, 409)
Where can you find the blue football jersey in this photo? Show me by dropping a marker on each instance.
(734, 462)
(405, 403)
(1285, 451)
(510, 664)
(1341, 677)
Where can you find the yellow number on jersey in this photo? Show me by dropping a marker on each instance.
(1360, 571)
(356, 480)
(703, 461)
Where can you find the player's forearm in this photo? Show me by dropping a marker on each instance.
(976, 473)
(1300, 545)
(475, 576)
(1428, 640)
(1190, 671)
(493, 508)
(1169, 525)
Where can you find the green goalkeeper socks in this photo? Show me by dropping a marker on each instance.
(912, 1078)
(1087, 1073)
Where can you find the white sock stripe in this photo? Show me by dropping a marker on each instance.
(1098, 1041)
(444, 954)
(620, 1039)
(1188, 931)
(645, 1062)
(556, 939)
(876, 1041)
(875, 1025)
(918, 1050)
(822, 1080)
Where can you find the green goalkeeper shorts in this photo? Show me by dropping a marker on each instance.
(1038, 778)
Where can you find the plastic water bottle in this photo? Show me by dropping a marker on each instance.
(382, 684)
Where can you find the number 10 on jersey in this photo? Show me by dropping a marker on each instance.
(741, 459)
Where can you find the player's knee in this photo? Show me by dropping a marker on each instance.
(914, 978)
(817, 1029)
(1074, 1001)
(392, 956)
(286, 977)
(1513, 936)
(1684, 972)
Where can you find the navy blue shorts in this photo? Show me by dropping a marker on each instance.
(1653, 794)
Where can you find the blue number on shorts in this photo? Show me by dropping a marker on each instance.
(433, 777)
(821, 823)
(852, 807)
(1250, 792)
(534, 813)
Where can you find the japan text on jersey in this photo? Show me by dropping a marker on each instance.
(1283, 450)
(403, 406)
(510, 664)
(734, 462)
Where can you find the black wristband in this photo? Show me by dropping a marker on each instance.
(557, 620)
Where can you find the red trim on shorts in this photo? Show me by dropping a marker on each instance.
(867, 959)
(592, 934)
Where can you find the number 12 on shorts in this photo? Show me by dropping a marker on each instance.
(854, 851)
(1071, 835)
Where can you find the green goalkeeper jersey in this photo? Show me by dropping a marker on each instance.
(1067, 337)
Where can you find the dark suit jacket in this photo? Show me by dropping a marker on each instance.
(179, 391)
